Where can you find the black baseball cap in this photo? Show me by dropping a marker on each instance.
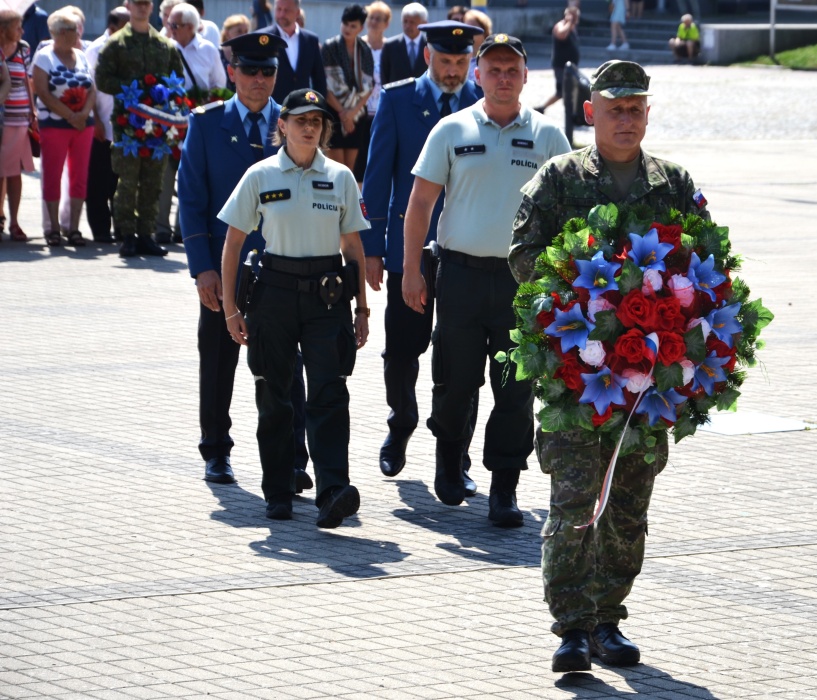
(258, 48)
(511, 42)
(304, 100)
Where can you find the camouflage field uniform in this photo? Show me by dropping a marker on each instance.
(588, 573)
(129, 56)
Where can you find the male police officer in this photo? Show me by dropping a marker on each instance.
(481, 155)
(405, 116)
(133, 52)
(589, 572)
(223, 140)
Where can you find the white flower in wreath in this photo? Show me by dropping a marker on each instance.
(593, 353)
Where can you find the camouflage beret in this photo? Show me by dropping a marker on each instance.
(620, 79)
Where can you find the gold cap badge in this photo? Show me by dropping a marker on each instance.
(263, 40)
(501, 38)
(311, 97)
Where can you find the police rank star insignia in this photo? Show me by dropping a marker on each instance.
(426, 113)
(274, 196)
(234, 139)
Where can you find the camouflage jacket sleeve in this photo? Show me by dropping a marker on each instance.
(108, 74)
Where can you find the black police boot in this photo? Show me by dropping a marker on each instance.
(469, 483)
(393, 453)
(147, 246)
(573, 654)
(339, 503)
(449, 484)
(612, 647)
(128, 247)
(218, 471)
(303, 482)
(502, 509)
(279, 507)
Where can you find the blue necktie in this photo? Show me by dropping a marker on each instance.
(255, 135)
(412, 52)
(445, 109)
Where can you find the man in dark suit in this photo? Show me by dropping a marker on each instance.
(402, 55)
(300, 65)
(405, 116)
(223, 140)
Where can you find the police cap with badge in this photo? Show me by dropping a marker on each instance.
(449, 36)
(259, 48)
(620, 79)
(495, 40)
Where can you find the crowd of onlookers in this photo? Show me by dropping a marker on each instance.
(49, 107)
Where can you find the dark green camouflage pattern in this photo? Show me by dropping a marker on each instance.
(588, 573)
(571, 185)
(136, 201)
(620, 79)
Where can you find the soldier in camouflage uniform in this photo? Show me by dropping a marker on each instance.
(588, 573)
(133, 52)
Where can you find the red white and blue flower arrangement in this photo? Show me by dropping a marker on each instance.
(152, 116)
(636, 324)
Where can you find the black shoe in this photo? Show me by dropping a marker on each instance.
(612, 647)
(146, 246)
(163, 238)
(128, 247)
(469, 483)
(219, 471)
(574, 652)
(107, 238)
(280, 507)
(341, 502)
(393, 454)
(449, 484)
(303, 482)
(502, 508)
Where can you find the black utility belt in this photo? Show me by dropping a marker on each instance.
(332, 286)
(476, 261)
(303, 267)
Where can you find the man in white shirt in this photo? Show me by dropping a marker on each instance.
(208, 30)
(101, 177)
(301, 65)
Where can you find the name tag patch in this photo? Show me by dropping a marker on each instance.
(275, 196)
(323, 185)
(522, 143)
(469, 150)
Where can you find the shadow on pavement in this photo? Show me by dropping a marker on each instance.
(643, 679)
(299, 541)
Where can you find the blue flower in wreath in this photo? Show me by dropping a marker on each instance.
(175, 84)
(136, 121)
(703, 275)
(130, 94)
(159, 148)
(647, 252)
(597, 275)
(660, 404)
(129, 146)
(159, 94)
(709, 372)
(603, 388)
(724, 324)
(572, 327)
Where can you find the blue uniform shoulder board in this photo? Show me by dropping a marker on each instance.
(274, 196)
(399, 83)
(201, 109)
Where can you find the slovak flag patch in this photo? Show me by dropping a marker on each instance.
(363, 209)
(699, 198)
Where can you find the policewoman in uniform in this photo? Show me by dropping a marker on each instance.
(312, 213)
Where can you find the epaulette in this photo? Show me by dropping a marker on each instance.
(399, 83)
(201, 109)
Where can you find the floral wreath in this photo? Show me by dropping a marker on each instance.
(635, 326)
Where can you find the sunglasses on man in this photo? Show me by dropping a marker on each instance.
(252, 71)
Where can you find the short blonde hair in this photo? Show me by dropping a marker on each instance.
(8, 25)
(233, 21)
(379, 6)
(62, 19)
(480, 19)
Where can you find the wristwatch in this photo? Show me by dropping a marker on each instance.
(363, 310)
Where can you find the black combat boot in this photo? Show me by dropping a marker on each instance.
(502, 509)
(449, 484)
(574, 652)
(128, 247)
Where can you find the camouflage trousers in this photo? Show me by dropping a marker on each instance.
(136, 202)
(588, 573)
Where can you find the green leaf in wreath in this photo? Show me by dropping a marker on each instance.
(608, 327)
(553, 418)
(696, 344)
(630, 278)
(501, 357)
(684, 427)
(668, 377)
(552, 389)
(728, 400)
(603, 217)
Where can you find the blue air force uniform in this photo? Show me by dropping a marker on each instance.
(407, 112)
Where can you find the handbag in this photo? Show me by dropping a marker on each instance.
(34, 140)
